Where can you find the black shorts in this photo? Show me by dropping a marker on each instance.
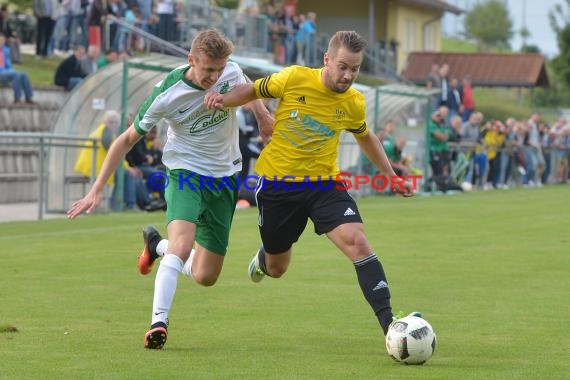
(284, 209)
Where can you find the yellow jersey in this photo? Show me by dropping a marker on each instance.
(84, 161)
(308, 122)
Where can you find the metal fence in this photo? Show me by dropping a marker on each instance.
(253, 37)
(24, 163)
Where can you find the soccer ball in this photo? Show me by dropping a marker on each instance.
(467, 186)
(410, 340)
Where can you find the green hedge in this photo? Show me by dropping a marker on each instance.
(502, 110)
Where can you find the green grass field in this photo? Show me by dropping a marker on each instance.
(489, 270)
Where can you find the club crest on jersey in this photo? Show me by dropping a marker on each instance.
(209, 120)
(340, 114)
(294, 115)
(225, 87)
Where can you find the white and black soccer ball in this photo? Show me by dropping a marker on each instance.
(410, 340)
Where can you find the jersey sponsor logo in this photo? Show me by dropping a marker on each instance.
(209, 121)
(225, 87)
(317, 127)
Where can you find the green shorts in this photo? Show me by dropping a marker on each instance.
(208, 202)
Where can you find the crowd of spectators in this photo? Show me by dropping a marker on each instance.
(478, 153)
(292, 37)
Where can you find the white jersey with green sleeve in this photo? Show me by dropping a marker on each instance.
(200, 140)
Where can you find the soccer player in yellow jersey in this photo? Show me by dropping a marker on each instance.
(315, 106)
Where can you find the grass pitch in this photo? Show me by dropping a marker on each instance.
(490, 271)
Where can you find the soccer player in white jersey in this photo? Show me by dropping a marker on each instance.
(201, 144)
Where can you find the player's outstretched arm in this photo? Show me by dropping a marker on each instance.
(238, 96)
(115, 155)
(372, 148)
(264, 119)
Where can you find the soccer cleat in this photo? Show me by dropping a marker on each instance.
(148, 255)
(255, 273)
(155, 338)
(401, 315)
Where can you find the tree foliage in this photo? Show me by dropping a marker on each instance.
(229, 4)
(560, 22)
(559, 17)
(490, 24)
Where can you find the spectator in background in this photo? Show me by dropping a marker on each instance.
(306, 39)
(455, 103)
(520, 135)
(12, 40)
(394, 149)
(141, 159)
(272, 29)
(444, 85)
(460, 159)
(494, 141)
(77, 23)
(117, 9)
(433, 80)
(300, 41)
(553, 144)
(154, 148)
(455, 135)
(46, 15)
(110, 56)
(69, 73)
(95, 17)
(470, 134)
(467, 98)
(166, 27)
(124, 39)
(455, 124)
(385, 134)
(564, 153)
(145, 7)
(60, 36)
(533, 151)
(546, 141)
(288, 28)
(438, 143)
(481, 160)
(89, 60)
(505, 155)
(105, 133)
(20, 80)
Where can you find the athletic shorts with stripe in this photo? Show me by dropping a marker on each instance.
(284, 210)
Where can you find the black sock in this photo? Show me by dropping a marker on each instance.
(261, 260)
(374, 286)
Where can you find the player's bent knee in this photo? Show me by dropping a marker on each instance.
(205, 279)
(276, 271)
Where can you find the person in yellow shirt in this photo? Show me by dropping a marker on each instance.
(105, 133)
(298, 168)
(494, 141)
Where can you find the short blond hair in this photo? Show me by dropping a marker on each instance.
(212, 43)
